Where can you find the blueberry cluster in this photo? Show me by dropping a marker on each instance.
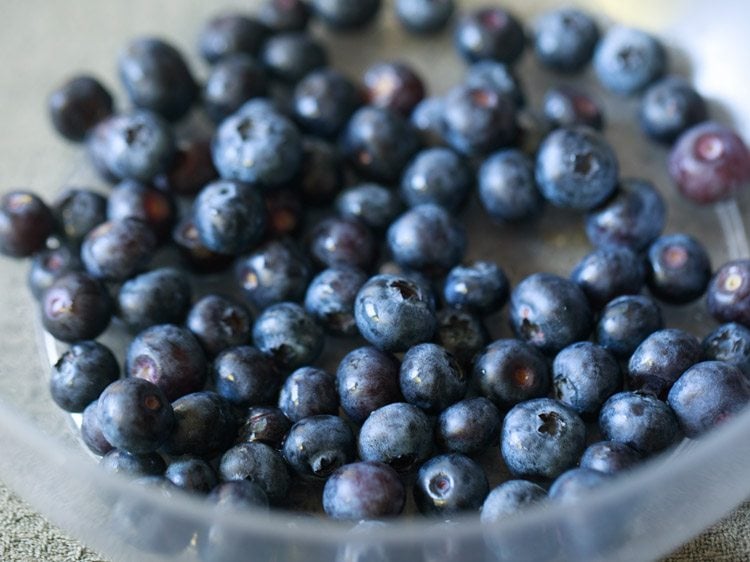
(317, 209)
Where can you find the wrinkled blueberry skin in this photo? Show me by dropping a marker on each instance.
(399, 434)
(289, 57)
(324, 100)
(510, 371)
(564, 39)
(507, 187)
(205, 426)
(318, 445)
(584, 376)
(230, 34)
(728, 297)
(77, 211)
(157, 78)
(575, 485)
(432, 378)
(450, 484)
(493, 75)
(170, 357)
(541, 438)
(568, 107)
(462, 334)
(427, 119)
(625, 322)
(118, 461)
(549, 312)
(490, 33)
(76, 307)
(192, 475)
(576, 168)
(219, 323)
(25, 224)
(330, 299)
(289, 335)
(424, 16)
(81, 374)
(707, 395)
(233, 80)
(308, 391)
(607, 273)
(439, 176)
(161, 296)
(260, 464)
(266, 424)
(394, 313)
(245, 376)
(284, 15)
(77, 105)
(344, 14)
(370, 203)
(336, 242)
(48, 265)
(509, 498)
(641, 421)
(469, 426)
(729, 343)
(115, 250)
(367, 379)
(669, 107)
(363, 490)
(481, 287)
(627, 60)
(140, 201)
(678, 268)
(91, 431)
(660, 360)
(609, 457)
(135, 415)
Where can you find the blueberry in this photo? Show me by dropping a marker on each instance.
(285, 212)
(641, 421)
(679, 268)
(729, 293)
(245, 376)
(25, 224)
(431, 378)
(136, 200)
(625, 322)
(564, 39)
(367, 379)
(191, 168)
(609, 272)
(609, 457)
(115, 250)
(321, 175)
(393, 85)
(481, 287)
(398, 434)
(490, 33)
(230, 34)
(237, 494)
(266, 424)
(91, 431)
(427, 119)
(48, 265)
(233, 80)
(493, 75)
(358, 548)
(284, 15)
(576, 168)
(77, 211)
(290, 335)
(308, 391)
(541, 438)
(394, 313)
(77, 105)
(344, 14)
(194, 254)
(660, 359)
(318, 445)
(192, 475)
(439, 176)
(161, 296)
(730, 343)
(507, 187)
(627, 60)
(469, 426)
(81, 374)
(575, 485)
(205, 426)
(707, 395)
(219, 323)
(509, 498)
(135, 415)
(290, 56)
(450, 484)
(324, 100)
(424, 16)
(568, 107)
(133, 465)
(336, 242)
(261, 465)
(669, 107)
(461, 333)
(330, 299)
(363, 490)
(76, 307)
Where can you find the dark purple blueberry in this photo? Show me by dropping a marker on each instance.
(394, 313)
(77, 105)
(344, 14)
(194, 253)
(469, 426)
(336, 242)
(625, 322)
(230, 34)
(490, 33)
(541, 438)
(461, 333)
(507, 187)
(564, 39)
(367, 379)
(669, 107)
(609, 272)
(439, 176)
(132, 465)
(660, 359)
(609, 457)
(284, 15)
(321, 175)
(627, 60)
(135, 415)
(729, 293)
(634, 217)
(639, 420)
(549, 312)
(324, 100)
(393, 85)
(233, 80)
(729, 343)
(330, 299)
(204, 426)
(318, 445)
(261, 465)
(81, 374)
(427, 119)
(191, 168)
(91, 430)
(156, 77)
(76, 307)
(236, 494)
(481, 287)
(132, 199)
(308, 391)
(192, 475)
(25, 224)
(576, 168)
(219, 323)
(564, 106)
(364, 490)
(289, 335)
(290, 56)
(115, 250)
(709, 162)
(285, 213)
(373, 204)
(576, 484)
(266, 424)
(432, 378)
(245, 376)
(424, 16)
(77, 211)
(509, 498)
(48, 265)
(450, 484)
(678, 268)
(493, 75)
(161, 296)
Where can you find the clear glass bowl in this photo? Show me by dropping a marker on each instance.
(641, 516)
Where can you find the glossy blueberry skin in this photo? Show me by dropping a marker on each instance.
(192, 475)
(77, 105)
(25, 224)
(549, 312)
(91, 431)
(493, 75)
(575, 485)
(118, 461)
(507, 187)
(363, 490)
(394, 313)
(584, 376)
(161, 296)
(246, 376)
(660, 360)
(489, 33)
(205, 426)
(439, 176)
(77, 211)
(330, 299)
(367, 379)
(284, 15)
(393, 85)
(469, 426)
(157, 78)
(609, 457)
(541, 438)
(324, 100)
(627, 60)
(76, 307)
(140, 201)
(379, 143)
(461, 333)
(728, 297)
(634, 217)
(115, 250)
(48, 265)
(267, 140)
(481, 287)
(432, 378)
(373, 204)
(135, 415)
(261, 465)
(289, 335)
(669, 107)
(399, 434)
(509, 498)
(290, 56)
(450, 484)
(607, 273)
(190, 170)
(639, 420)
(229, 34)
(316, 446)
(345, 15)
(219, 323)
(321, 175)
(564, 39)
(564, 106)
(730, 343)
(678, 268)
(424, 16)
(233, 80)
(576, 168)
(510, 371)
(427, 119)
(336, 242)
(308, 391)
(625, 322)
(266, 424)
(81, 374)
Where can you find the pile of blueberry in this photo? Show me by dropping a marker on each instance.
(323, 209)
